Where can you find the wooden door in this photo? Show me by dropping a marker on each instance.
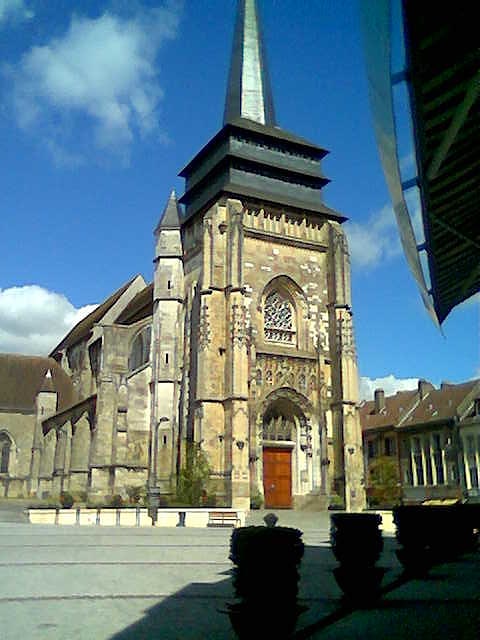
(277, 477)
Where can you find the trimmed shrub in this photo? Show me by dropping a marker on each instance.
(66, 500)
(116, 501)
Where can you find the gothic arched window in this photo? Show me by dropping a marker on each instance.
(140, 351)
(5, 445)
(279, 322)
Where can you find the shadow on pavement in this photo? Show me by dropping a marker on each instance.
(199, 610)
(447, 602)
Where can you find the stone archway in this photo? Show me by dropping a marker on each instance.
(284, 426)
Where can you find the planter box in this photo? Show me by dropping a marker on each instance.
(67, 516)
(128, 517)
(167, 517)
(42, 516)
(196, 518)
(88, 517)
(108, 517)
(144, 520)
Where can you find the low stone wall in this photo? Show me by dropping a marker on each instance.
(175, 517)
(387, 526)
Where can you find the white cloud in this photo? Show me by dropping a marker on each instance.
(33, 320)
(15, 10)
(375, 241)
(98, 82)
(390, 384)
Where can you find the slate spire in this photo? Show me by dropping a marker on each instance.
(170, 218)
(249, 94)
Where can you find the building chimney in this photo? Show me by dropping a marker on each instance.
(423, 388)
(379, 400)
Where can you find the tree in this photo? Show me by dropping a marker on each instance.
(193, 478)
(383, 482)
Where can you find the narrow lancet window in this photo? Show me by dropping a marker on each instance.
(140, 352)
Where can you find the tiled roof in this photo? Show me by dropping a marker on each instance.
(441, 404)
(22, 377)
(407, 409)
(395, 407)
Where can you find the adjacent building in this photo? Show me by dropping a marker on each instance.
(430, 438)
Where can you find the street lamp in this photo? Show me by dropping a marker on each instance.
(154, 489)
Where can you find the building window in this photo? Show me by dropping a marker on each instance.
(407, 463)
(417, 458)
(94, 354)
(372, 449)
(390, 448)
(472, 462)
(5, 445)
(279, 325)
(438, 458)
(428, 461)
(140, 351)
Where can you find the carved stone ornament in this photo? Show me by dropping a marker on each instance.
(239, 325)
(204, 328)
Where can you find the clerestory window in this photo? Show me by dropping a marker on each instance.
(5, 445)
(140, 351)
(279, 321)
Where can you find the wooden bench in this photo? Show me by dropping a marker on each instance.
(223, 519)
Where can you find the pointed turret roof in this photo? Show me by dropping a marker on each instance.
(47, 383)
(249, 94)
(170, 218)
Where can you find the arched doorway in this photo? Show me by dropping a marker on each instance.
(281, 425)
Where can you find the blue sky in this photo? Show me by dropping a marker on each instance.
(103, 102)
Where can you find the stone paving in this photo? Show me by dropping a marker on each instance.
(124, 583)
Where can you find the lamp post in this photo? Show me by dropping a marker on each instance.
(154, 489)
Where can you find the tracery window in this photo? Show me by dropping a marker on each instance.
(277, 428)
(279, 325)
(140, 351)
(5, 445)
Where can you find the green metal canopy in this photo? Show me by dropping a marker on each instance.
(442, 61)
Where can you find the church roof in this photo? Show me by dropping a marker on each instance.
(170, 218)
(249, 94)
(84, 327)
(22, 377)
(140, 307)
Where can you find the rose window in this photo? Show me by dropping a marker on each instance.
(278, 319)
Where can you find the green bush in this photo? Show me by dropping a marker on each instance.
(136, 494)
(336, 503)
(66, 500)
(193, 478)
(116, 501)
(256, 500)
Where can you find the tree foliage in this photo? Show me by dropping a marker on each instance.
(383, 482)
(193, 478)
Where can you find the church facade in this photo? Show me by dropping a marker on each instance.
(242, 345)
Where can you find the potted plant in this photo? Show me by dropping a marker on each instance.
(265, 578)
(357, 544)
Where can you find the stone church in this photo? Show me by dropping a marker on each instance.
(243, 343)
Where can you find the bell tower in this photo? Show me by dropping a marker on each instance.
(270, 383)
